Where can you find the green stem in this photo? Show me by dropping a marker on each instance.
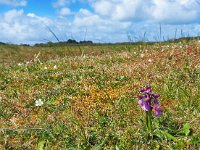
(149, 121)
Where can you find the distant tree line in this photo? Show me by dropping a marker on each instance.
(69, 41)
(1, 43)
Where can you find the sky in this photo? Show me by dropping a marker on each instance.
(104, 21)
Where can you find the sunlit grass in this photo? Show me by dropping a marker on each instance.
(64, 97)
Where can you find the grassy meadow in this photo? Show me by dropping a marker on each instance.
(85, 96)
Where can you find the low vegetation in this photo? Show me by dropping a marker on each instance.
(86, 96)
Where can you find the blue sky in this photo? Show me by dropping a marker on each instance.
(27, 21)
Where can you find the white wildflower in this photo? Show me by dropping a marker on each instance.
(150, 60)
(55, 67)
(20, 64)
(45, 68)
(39, 102)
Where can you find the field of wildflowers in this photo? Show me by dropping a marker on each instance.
(86, 97)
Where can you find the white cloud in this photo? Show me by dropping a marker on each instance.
(85, 18)
(65, 11)
(103, 7)
(12, 15)
(180, 11)
(37, 19)
(98, 29)
(14, 2)
(151, 31)
(166, 11)
(18, 27)
(62, 3)
(61, 7)
(121, 9)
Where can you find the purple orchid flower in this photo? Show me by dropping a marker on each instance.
(148, 100)
(155, 96)
(146, 90)
(158, 110)
(145, 105)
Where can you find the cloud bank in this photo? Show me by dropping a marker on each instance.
(102, 21)
(162, 11)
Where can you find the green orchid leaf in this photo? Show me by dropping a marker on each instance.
(186, 129)
(169, 136)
